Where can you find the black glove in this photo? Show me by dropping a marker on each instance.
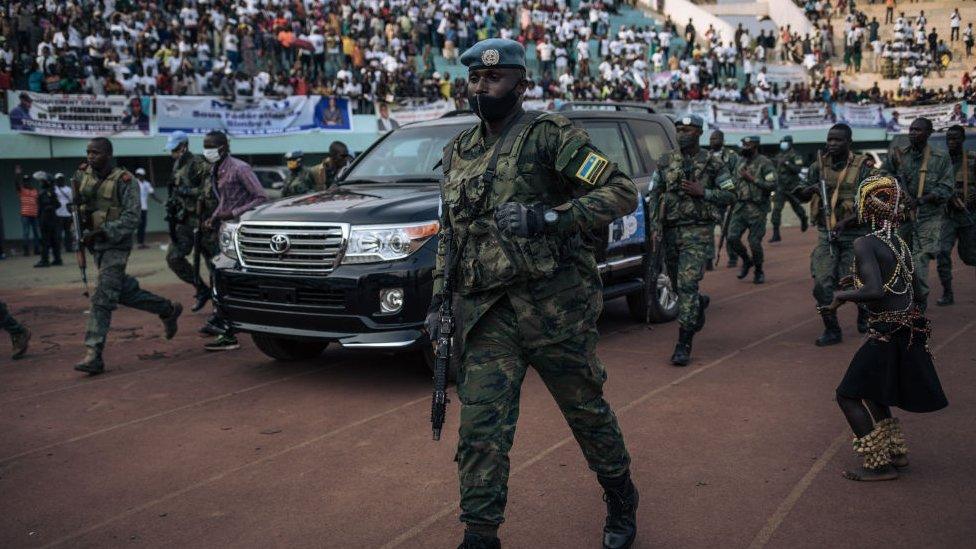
(91, 237)
(432, 322)
(519, 219)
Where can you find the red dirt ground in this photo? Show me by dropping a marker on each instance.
(174, 447)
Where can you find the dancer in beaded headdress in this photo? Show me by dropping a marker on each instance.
(893, 367)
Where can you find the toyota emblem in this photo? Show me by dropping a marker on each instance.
(280, 244)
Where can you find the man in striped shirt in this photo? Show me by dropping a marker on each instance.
(28, 213)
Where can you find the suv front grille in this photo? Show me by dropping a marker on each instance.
(248, 290)
(298, 247)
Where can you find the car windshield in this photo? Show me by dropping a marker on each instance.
(406, 154)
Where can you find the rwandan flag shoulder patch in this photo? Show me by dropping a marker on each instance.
(592, 168)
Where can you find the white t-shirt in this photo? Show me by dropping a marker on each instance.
(145, 189)
(64, 195)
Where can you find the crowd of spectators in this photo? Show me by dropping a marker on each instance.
(376, 51)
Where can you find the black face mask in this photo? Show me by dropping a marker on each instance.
(489, 108)
(687, 140)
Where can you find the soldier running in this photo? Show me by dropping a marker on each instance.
(188, 195)
(926, 175)
(108, 202)
(688, 192)
(731, 159)
(755, 180)
(19, 334)
(840, 171)
(522, 193)
(960, 219)
(300, 179)
(788, 166)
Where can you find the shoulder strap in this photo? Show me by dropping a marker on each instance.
(922, 170)
(507, 140)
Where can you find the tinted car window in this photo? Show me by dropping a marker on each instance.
(607, 138)
(268, 178)
(406, 153)
(651, 138)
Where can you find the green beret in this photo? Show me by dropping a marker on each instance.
(494, 52)
(689, 120)
(750, 139)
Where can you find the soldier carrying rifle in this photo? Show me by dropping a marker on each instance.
(831, 186)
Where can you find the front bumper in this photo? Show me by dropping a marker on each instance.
(342, 306)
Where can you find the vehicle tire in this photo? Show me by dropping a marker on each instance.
(284, 349)
(658, 301)
(427, 355)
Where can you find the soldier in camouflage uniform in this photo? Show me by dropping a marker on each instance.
(755, 180)
(189, 201)
(960, 219)
(730, 158)
(108, 206)
(842, 171)
(788, 166)
(688, 191)
(926, 175)
(19, 334)
(523, 195)
(300, 179)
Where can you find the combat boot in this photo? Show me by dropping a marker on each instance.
(170, 320)
(19, 343)
(92, 363)
(474, 540)
(758, 276)
(682, 350)
(804, 223)
(832, 334)
(862, 321)
(202, 297)
(776, 237)
(622, 499)
(948, 298)
(703, 301)
(746, 266)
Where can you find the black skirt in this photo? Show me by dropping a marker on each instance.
(895, 369)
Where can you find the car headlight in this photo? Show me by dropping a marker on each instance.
(228, 240)
(374, 243)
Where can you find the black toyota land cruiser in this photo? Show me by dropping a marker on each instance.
(352, 264)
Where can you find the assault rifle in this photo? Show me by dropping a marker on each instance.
(198, 243)
(724, 233)
(825, 205)
(442, 350)
(76, 230)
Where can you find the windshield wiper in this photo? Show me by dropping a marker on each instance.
(418, 180)
(359, 180)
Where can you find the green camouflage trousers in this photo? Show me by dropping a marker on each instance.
(827, 269)
(955, 229)
(685, 252)
(182, 247)
(924, 238)
(8, 322)
(493, 366)
(114, 287)
(748, 216)
(780, 198)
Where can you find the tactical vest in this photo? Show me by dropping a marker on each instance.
(843, 200)
(752, 192)
(101, 200)
(677, 206)
(475, 183)
(194, 174)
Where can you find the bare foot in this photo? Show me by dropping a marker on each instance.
(899, 460)
(870, 475)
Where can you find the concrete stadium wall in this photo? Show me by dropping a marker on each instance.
(785, 12)
(683, 10)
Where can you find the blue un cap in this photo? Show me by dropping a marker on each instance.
(293, 155)
(689, 120)
(494, 52)
(175, 139)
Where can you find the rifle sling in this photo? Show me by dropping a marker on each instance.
(922, 170)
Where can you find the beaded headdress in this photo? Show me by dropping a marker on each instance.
(880, 201)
